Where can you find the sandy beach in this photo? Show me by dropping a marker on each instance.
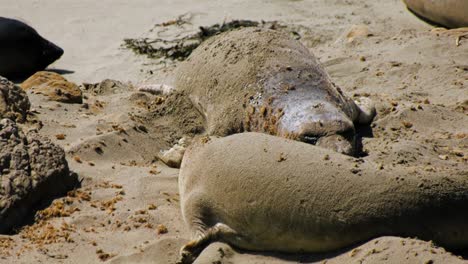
(127, 208)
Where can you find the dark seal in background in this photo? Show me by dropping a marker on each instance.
(23, 51)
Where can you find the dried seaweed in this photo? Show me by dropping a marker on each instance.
(180, 47)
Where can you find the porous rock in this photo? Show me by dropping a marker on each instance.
(14, 103)
(54, 86)
(32, 170)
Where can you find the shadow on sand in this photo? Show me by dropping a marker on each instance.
(58, 71)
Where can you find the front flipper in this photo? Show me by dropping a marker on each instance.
(458, 33)
(366, 109)
(192, 249)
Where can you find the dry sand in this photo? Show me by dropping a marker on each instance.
(417, 78)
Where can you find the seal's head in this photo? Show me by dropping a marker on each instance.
(318, 123)
(50, 53)
(314, 121)
(304, 105)
(23, 51)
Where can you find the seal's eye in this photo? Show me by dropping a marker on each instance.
(310, 139)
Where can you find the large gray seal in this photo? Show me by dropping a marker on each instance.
(262, 80)
(23, 51)
(264, 193)
(448, 13)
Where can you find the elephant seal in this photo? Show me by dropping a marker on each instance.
(264, 193)
(23, 51)
(448, 13)
(262, 80)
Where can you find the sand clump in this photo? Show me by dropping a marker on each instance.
(107, 87)
(357, 32)
(171, 116)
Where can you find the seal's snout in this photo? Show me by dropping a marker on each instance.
(319, 123)
(50, 53)
(340, 140)
(333, 131)
(340, 143)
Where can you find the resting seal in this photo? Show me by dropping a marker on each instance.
(265, 193)
(22, 50)
(262, 80)
(448, 13)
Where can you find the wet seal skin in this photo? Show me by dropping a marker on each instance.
(447, 13)
(306, 203)
(262, 80)
(23, 51)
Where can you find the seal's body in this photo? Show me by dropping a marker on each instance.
(22, 50)
(262, 80)
(276, 194)
(448, 13)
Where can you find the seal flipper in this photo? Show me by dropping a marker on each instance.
(192, 250)
(366, 110)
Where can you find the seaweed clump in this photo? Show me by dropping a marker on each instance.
(182, 45)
